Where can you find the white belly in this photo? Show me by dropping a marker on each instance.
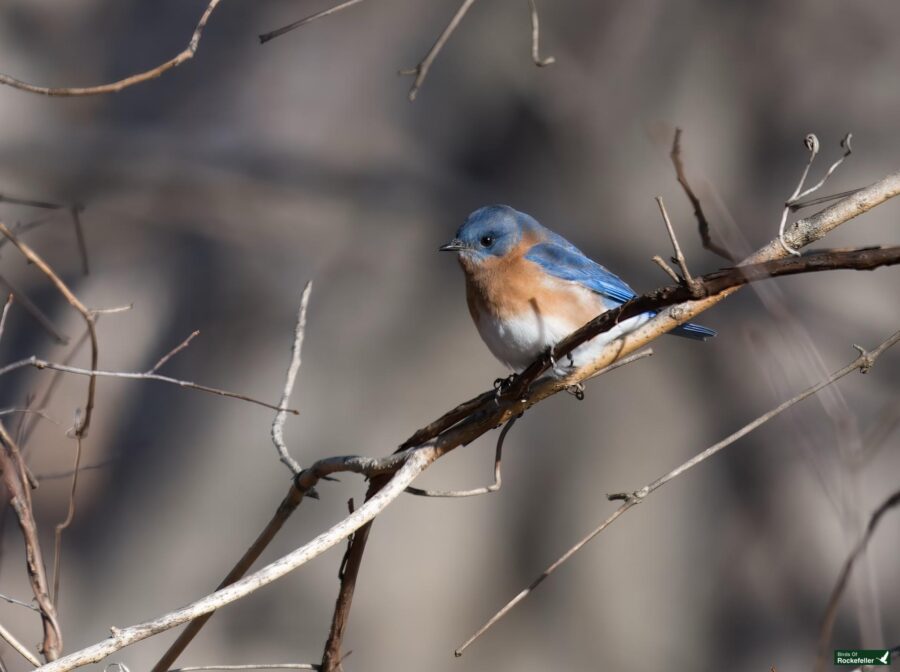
(518, 342)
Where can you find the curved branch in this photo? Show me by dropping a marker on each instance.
(114, 87)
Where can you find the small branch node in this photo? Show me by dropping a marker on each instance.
(866, 359)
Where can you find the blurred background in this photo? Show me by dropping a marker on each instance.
(213, 193)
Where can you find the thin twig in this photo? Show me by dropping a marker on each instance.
(348, 575)
(114, 87)
(844, 577)
(52, 386)
(174, 351)
(631, 499)
(265, 37)
(679, 255)
(702, 222)
(536, 39)
(18, 647)
(66, 522)
(32, 256)
(96, 312)
(36, 313)
(129, 375)
(800, 205)
(659, 261)
(75, 210)
(290, 378)
(5, 313)
(19, 603)
(848, 150)
(421, 70)
(34, 411)
(493, 487)
(15, 479)
(812, 145)
(56, 475)
(31, 203)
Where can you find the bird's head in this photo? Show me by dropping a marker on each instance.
(491, 231)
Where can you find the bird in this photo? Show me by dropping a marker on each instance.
(527, 288)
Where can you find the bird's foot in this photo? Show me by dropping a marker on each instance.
(504, 385)
(576, 390)
(554, 362)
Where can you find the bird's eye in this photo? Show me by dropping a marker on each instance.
(487, 241)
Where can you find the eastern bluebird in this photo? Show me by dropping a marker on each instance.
(528, 288)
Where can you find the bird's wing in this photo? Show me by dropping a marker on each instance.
(567, 262)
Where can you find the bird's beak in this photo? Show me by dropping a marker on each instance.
(454, 245)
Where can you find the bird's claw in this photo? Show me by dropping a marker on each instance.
(576, 390)
(504, 385)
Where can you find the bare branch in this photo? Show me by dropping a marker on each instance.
(308, 19)
(348, 574)
(174, 351)
(96, 312)
(56, 475)
(18, 647)
(421, 70)
(19, 603)
(95, 373)
(290, 379)
(52, 386)
(3, 315)
(67, 521)
(844, 577)
(631, 499)
(31, 203)
(75, 210)
(493, 487)
(115, 87)
(15, 479)
(696, 291)
(36, 313)
(32, 256)
(659, 261)
(702, 222)
(536, 39)
(812, 144)
(415, 463)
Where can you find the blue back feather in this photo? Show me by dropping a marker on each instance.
(560, 258)
(563, 260)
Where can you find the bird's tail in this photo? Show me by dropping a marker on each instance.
(694, 331)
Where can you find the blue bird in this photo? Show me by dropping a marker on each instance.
(528, 288)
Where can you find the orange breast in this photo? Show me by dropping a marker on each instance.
(508, 287)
